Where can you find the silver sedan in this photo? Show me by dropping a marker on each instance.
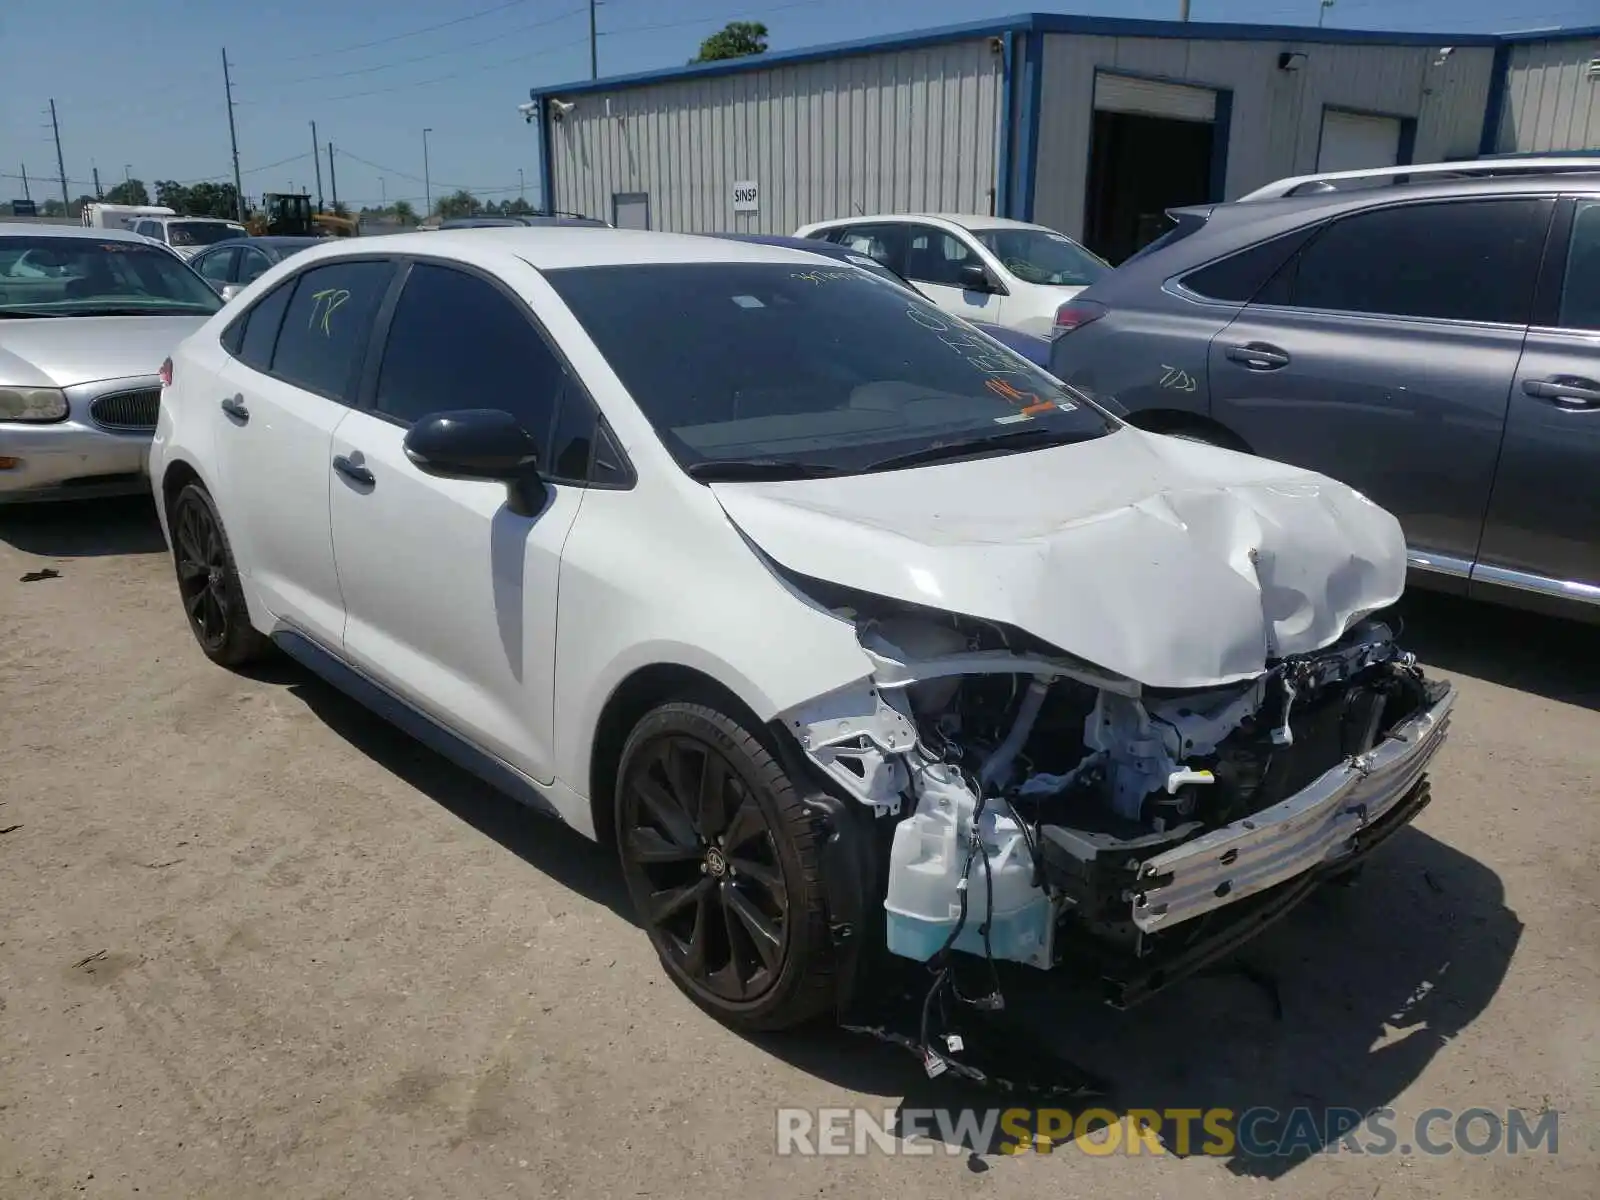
(87, 317)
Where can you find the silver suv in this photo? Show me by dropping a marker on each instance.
(1430, 337)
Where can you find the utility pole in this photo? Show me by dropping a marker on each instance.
(383, 193)
(521, 195)
(594, 47)
(1183, 10)
(26, 194)
(98, 194)
(427, 186)
(233, 139)
(1322, 11)
(61, 166)
(316, 157)
(333, 180)
(127, 172)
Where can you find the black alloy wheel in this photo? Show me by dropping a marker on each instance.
(202, 573)
(704, 868)
(208, 581)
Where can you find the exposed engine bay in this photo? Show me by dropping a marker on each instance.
(1045, 809)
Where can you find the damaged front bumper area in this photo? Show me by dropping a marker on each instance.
(1036, 809)
(1320, 825)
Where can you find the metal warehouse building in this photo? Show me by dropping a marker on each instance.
(1092, 126)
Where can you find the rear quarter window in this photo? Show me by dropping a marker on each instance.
(1238, 277)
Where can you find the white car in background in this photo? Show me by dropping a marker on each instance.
(187, 236)
(784, 582)
(989, 269)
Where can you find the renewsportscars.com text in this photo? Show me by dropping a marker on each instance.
(1220, 1132)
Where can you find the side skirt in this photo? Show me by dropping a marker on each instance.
(340, 674)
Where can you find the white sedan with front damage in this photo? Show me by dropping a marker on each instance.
(850, 628)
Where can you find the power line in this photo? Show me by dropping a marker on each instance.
(454, 75)
(416, 58)
(467, 187)
(760, 12)
(384, 41)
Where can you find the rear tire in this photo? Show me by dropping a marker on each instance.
(208, 582)
(721, 859)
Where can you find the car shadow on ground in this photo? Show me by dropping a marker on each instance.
(1547, 656)
(83, 528)
(1341, 1007)
(542, 842)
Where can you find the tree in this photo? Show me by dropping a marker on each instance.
(52, 208)
(341, 209)
(516, 208)
(212, 200)
(404, 213)
(172, 194)
(460, 204)
(130, 192)
(736, 39)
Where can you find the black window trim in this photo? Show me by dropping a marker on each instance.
(367, 391)
(1553, 269)
(1450, 322)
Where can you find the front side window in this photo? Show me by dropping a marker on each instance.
(1043, 256)
(1580, 286)
(934, 256)
(457, 341)
(328, 325)
(86, 277)
(1466, 260)
(775, 367)
(884, 244)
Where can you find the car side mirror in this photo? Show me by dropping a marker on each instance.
(975, 278)
(230, 290)
(480, 443)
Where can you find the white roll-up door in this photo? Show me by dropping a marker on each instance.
(1150, 98)
(1353, 141)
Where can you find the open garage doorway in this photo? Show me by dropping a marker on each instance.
(1155, 146)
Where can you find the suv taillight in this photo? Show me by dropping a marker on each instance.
(1075, 314)
(166, 373)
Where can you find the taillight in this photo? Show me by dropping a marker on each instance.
(166, 373)
(1075, 314)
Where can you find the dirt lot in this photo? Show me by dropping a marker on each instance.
(257, 944)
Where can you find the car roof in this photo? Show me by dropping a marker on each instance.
(180, 217)
(41, 229)
(964, 220)
(1238, 224)
(553, 247)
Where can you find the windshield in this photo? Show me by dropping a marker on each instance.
(79, 276)
(823, 369)
(203, 233)
(1043, 256)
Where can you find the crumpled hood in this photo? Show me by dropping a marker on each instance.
(1168, 562)
(63, 351)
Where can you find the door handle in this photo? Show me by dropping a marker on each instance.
(1567, 391)
(235, 408)
(1258, 356)
(353, 471)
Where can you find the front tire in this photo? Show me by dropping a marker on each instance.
(208, 582)
(721, 860)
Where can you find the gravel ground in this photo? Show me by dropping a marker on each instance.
(255, 943)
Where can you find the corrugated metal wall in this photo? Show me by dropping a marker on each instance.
(1551, 103)
(1277, 115)
(913, 129)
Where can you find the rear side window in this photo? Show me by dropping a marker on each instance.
(1467, 260)
(1238, 277)
(328, 325)
(259, 328)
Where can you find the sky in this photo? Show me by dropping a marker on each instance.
(138, 87)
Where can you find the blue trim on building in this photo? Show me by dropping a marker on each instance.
(547, 174)
(1028, 123)
(1008, 124)
(1036, 23)
(1221, 130)
(1496, 104)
